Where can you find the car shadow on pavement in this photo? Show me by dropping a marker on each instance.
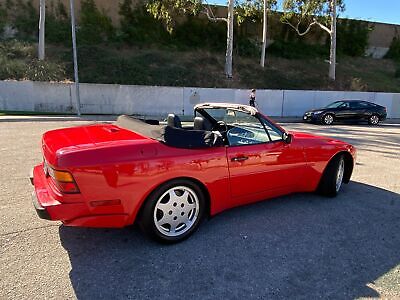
(301, 246)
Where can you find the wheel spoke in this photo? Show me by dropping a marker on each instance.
(188, 222)
(184, 197)
(189, 207)
(164, 207)
(174, 225)
(166, 219)
(172, 195)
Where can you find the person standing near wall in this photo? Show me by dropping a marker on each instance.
(252, 100)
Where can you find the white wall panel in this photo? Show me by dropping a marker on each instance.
(159, 101)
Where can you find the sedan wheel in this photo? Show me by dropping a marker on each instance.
(327, 119)
(373, 120)
(173, 211)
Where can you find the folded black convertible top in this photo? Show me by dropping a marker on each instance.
(171, 136)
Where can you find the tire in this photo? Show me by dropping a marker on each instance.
(373, 120)
(332, 178)
(327, 119)
(173, 211)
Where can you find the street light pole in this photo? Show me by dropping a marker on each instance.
(73, 30)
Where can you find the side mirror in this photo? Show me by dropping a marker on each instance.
(287, 137)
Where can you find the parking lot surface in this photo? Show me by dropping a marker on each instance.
(300, 246)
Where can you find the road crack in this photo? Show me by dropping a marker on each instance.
(27, 230)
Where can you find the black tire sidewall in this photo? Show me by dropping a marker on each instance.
(327, 186)
(146, 220)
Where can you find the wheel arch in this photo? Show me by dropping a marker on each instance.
(330, 113)
(195, 181)
(348, 165)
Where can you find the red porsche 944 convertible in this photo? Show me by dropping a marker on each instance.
(167, 178)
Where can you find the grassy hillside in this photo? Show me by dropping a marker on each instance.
(171, 67)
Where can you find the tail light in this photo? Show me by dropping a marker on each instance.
(64, 181)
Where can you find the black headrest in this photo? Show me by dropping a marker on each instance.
(174, 121)
(198, 123)
(201, 124)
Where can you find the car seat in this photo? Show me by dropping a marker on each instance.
(174, 121)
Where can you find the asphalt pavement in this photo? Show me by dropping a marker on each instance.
(301, 246)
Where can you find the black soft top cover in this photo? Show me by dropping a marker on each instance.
(171, 136)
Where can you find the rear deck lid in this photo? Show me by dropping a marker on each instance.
(55, 142)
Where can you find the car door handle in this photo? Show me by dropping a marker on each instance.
(239, 158)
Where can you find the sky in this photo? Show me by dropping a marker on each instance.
(384, 11)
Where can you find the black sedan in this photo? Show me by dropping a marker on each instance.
(347, 110)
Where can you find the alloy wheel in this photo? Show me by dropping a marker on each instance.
(374, 119)
(339, 175)
(176, 211)
(328, 119)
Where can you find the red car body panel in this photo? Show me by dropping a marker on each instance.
(116, 169)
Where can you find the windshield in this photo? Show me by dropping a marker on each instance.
(334, 104)
(243, 128)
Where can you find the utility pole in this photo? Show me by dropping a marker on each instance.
(73, 30)
(265, 29)
(42, 22)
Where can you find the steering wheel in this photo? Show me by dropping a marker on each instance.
(220, 126)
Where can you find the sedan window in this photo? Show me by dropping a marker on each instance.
(335, 104)
(359, 104)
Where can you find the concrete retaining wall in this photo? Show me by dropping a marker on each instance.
(153, 100)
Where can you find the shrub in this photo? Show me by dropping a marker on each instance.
(139, 27)
(24, 17)
(247, 47)
(297, 50)
(3, 18)
(394, 50)
(44, 71)
(14, 49)
(352, 37)
(17, 62)
(95, 27)
(397, 73)
(11, 69)
(198, 33)
(58, 25)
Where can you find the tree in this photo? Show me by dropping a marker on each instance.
(256, 10)
(166, 10)
(322, 13)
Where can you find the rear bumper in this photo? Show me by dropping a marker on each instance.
(70, 213)
(40, 210)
